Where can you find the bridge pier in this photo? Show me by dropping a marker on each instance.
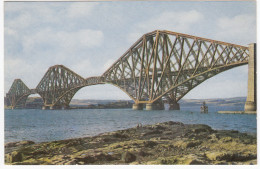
(56, 107)
(251, 101)
(138, 106)
(174, 106)
(159, 105)
(65, 107)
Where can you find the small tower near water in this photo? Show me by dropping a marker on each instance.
(204, 108)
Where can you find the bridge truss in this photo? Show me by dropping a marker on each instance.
(18, 94)
(160, 65)
(169, 64)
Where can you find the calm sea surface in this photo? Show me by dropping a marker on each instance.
(49, 125)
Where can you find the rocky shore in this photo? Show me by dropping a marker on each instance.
(162, 143)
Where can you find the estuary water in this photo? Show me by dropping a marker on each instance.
(49, 125)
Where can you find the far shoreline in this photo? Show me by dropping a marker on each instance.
(237, 112)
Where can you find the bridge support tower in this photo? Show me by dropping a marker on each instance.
(64, 107)
(174, 106)
(250, 104)
(138, 106)
(158, 105)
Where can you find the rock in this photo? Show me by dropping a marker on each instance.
(174, 123)
(213, 156)
(238, 157)
(85, 160)
(119, 135)
(19, 143)
(229, 156)
(190, 159)
(226, 139)
(14, 157)
(153, 132)
(106, 140)
(213, 137)
(158, 127)
(128, 157)
(150, 144)
(164, 143)
(193, 143)
(187, 144)
(196, 162)
(201, 128)
(96, 157)
(135, 163)
(167, 133)
(143, 153)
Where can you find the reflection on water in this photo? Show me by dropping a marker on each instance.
(49, 125)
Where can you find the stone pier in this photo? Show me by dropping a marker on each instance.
(155, 106)
(64, 107)
(174, 106)
(138, 106)
(251, 101)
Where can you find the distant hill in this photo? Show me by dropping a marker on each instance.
(235, 101)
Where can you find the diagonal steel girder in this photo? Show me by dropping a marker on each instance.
(59, 85)
(18, 94)
(169, 64)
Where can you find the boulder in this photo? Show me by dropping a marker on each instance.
(193, 144)
(95, 157)
(14, 157)
(143, 153)
(150, 144)
(19, 143)
(226, 139)
(128, 157)
(119, 135)
(230, 156)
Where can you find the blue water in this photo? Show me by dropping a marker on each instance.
(49, 125)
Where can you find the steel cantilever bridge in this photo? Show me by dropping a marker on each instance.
(161, 65)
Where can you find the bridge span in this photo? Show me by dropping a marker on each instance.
(161, 65)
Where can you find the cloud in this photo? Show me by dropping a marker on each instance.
(24, 16)
(48, 39)
(10, 32)
(22, 21)
(80, 9)
(85, 68)
(18, 68)
(108, 64)
(47, 48)
(173, 21)
(223, 85)
(133, 37)
(240, 29)
(28, 15)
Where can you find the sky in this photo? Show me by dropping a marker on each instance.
(88, 37)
